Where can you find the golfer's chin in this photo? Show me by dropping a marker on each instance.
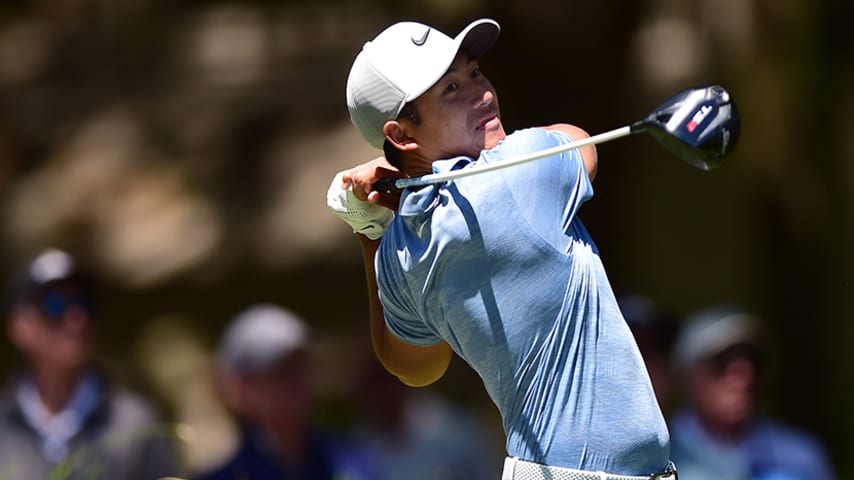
(493, 134)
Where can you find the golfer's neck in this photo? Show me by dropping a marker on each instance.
(416, 164)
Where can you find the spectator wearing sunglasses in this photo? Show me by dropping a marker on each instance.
(60, 417)
(721, 433)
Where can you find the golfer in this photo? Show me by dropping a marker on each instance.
(495, 267)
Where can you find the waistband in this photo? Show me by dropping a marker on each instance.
(518, 469)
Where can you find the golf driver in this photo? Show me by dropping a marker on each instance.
(698, 125)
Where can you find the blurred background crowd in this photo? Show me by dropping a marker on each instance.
(180, 150)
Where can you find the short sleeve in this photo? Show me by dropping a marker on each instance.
(398, 301)
(548, 191)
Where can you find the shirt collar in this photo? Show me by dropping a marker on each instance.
(57, 430)
(418, 202)
(456, 163)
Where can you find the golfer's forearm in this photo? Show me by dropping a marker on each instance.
(377, 321)
(415, 366)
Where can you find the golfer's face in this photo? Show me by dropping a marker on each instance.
(459, 114)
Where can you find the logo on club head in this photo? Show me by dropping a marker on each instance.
(423, 39)
(698, 118)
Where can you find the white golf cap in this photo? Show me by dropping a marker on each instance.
(400, 64)
(260, 337)
(713, 330)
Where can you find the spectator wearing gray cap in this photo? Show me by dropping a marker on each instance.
(721, 432)
(262, 361)
(62, 417)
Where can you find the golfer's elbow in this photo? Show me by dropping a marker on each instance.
(412, 365)
(417, 380)
(424, 376)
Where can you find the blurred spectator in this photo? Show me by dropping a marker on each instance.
(62, 418)
(721, 434)
(655, 330)
(419, 435)
(263, 369)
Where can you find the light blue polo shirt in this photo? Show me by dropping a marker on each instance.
(500, 266)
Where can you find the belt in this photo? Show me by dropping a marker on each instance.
(518, 469)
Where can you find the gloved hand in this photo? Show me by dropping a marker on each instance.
(364, 217)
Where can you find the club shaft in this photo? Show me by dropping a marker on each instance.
(432, 178)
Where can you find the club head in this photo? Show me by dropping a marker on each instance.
(699, 125)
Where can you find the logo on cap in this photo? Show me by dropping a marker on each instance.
(423, 39)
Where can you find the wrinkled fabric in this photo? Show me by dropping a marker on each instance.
(500, 266)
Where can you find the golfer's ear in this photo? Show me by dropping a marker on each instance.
(396, 134)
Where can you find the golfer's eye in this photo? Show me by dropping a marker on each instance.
(452, 87)
(475, 73)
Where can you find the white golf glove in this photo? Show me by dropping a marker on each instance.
(364, 217)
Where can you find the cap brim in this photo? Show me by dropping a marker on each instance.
(478, 37)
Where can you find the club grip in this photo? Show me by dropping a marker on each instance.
(386, 185)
